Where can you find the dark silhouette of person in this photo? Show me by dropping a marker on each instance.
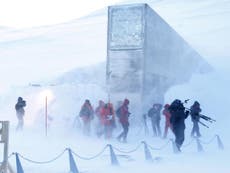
(154, 114)
(86, 113)
(20, 112)
(194, 112)
(178, 116)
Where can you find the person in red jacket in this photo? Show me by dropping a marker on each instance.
(107, 119)
(86, 114)
(167, 115)
(123, 114)
(99, 125)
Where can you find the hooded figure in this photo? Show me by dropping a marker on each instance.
(86, 113)
(20, 112)
(154, 114)
(178, 116)
(108, 120)
(98, 113)
(124, 120)
(194, 112)
(167, 115)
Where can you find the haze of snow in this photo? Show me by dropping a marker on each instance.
(26, 13)
(62, 48)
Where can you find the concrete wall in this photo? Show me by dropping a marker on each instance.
(145, 56)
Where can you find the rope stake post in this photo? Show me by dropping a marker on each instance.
(72, 164)
(18, 164)
(219, 142)
(199, 146)
(148, 155)
(113, 157)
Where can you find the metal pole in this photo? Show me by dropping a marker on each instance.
(46, 116)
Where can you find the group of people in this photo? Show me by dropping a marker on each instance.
(105, 114)
(175, 115)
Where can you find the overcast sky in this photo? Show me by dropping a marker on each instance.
(30, 13)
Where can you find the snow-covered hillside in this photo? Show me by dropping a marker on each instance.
(66, 62)
(46, 47)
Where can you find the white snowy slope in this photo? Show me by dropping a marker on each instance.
(66, 63)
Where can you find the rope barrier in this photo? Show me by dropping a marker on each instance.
(160, 148)
(10, 155)
(114, 160)
(41, 162)
(127, 152)
(210, 141)
(92, 157)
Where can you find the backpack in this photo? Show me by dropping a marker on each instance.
(84, 112)
(118, 112)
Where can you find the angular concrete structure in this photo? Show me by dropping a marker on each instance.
(145, 56)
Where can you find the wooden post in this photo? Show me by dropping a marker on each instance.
(4, 131)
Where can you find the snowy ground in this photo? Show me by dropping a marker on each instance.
(42, 55)
(164, 160)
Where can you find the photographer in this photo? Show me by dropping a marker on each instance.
(20, 112)
(178, 115)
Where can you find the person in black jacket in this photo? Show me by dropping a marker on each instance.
(20, 112)
(178, 116)
(194, 111)
(87, 115)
